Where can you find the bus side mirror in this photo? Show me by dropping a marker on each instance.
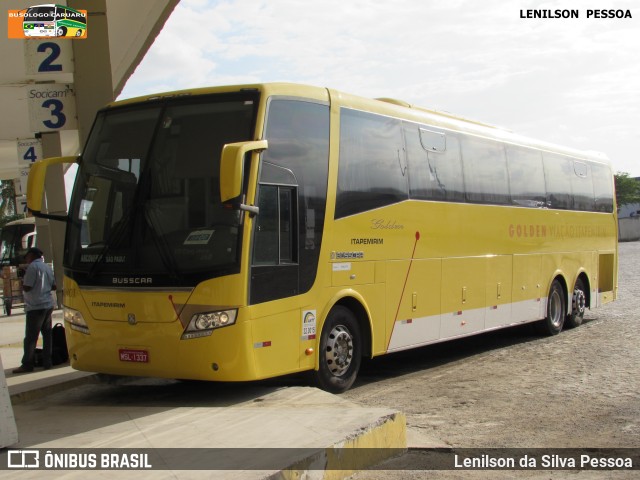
(35, 185)
(232, 164)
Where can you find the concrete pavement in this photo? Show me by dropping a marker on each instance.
(39, 382)
(63, 408)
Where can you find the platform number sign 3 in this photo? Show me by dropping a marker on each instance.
(52, 107)
(55, 106)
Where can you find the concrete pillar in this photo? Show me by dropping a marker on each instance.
(92, 78)
(93, 89)
(50, 232)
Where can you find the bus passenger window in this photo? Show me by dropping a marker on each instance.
(435, 170)
(526, 177)
(372, 170)
(602, 187)
(558, 172)
(582, 186)
(485, 171)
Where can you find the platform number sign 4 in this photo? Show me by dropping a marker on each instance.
(29, 150)
(30, 155)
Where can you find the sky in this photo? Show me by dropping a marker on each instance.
(570, 81)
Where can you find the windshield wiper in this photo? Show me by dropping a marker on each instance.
(118, 235)
(118, 232)
(166, 254)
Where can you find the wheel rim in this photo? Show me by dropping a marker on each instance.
(339, 352)
(555, 309)
(579, 302)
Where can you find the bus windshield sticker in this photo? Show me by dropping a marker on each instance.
(199, 237)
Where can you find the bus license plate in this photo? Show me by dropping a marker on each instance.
(139, 356)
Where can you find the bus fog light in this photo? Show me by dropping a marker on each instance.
(203, 324)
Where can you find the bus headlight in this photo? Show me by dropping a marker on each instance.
(203, 324)
(75, 320)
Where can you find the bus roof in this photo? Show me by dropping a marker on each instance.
(385, 106)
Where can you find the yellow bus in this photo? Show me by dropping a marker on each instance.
(245, 232)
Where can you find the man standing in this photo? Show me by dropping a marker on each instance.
(38, 282)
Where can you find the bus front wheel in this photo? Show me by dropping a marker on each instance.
(340, 351)
(61, 32)
(578, 305)
(556, 311)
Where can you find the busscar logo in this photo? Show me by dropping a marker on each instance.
(132, 280)
(48, 21)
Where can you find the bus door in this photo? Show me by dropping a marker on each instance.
(287, 233)
(274, 270)
(274, 273)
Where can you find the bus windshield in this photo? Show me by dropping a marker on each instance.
(146, 199)
(15, 239)
(45, 13)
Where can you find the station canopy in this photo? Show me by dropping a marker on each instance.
(131, 29)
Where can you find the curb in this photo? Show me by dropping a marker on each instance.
(41, 387)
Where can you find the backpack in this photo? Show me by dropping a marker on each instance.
(59, 352)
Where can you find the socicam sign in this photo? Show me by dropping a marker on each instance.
(52, 107)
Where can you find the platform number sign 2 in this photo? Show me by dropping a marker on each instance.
(53, 50)
(47, 57)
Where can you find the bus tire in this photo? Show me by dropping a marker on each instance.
(340, 351)
(556, 311)
(78, 33)
(578, 305)
(61, 32)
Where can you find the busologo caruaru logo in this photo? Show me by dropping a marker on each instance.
(47, 21)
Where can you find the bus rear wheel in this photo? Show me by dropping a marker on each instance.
(578, 305)
(556, 311)
(340, 351)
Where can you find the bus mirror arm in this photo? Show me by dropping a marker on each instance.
(48, 216)
(252, 209)
(36, 186)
